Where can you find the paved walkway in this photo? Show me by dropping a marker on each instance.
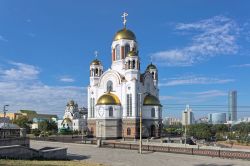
(123, 157)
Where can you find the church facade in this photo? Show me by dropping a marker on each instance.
(116, 96)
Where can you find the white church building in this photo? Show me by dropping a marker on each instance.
(116, 96)
(74, 119)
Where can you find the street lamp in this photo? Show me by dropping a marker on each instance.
(4, 113)
(185, 128)
(140, 145)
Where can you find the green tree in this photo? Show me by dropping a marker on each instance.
(23, 122)
(200, 131)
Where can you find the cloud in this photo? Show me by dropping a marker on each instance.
(20, 71)
(193, 80)
(3, 39)
(21, 88)
(66, 79)
(211, 37)
(241, 65)
(193, 97)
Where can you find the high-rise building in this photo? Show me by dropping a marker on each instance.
(187, 116)
(232, 106)
(217, 118)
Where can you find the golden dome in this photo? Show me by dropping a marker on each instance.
(108, 99)
(67, 120)
(124, 34)
(151, 100)
(151, 66)
(96, 62)
(132, 53)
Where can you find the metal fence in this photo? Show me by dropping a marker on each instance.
(181, 150)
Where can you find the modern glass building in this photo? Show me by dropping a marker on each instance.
(217, 118)
(232, 106)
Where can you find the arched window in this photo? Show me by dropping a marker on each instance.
(153, 112)
(96, 72)
(118, 52)
(127, 49)
(109, 86)
(129, 105)
(110, 111)
(128, 131)
(133, 64)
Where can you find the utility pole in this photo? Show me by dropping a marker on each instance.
(140, 146)
(4, 113)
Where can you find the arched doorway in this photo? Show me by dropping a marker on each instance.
(152, 131)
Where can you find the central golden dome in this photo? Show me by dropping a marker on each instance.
(108, 99)
(124, 34)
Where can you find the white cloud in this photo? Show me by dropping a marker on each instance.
(193, 80)
(211, 37)
(3, 39)
(194, 97)
(66, 79)
(241, 65)
(21, 88)
(20, 71)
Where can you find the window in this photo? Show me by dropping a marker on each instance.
(110, 111)
(127, 49)
(152, 112)
(109, 86)
(129, 104)
(96, 72)
(133, 64)
(92, 107)
(128, 131)
(118, 52)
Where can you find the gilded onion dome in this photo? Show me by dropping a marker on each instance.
(67, 120)
(151, 66)
(151, 100)
(132, 53)
(108, 99)
(124, 34)
(96, 62)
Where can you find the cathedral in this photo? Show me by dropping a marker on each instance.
(116, 96)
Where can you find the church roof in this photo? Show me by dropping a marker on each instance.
(124, 34)
(151, 100)
(108, 99)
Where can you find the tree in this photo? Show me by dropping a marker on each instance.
(200, 131)
(23, 122)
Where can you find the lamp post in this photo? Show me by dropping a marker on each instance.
(185, 128)
(4, 113)
(140, 145)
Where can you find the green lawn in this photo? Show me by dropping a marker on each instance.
(45, 163)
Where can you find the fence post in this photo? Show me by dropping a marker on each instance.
(192, 151)
(148, 147)
(219, 153)
(129, 146)
(114, 145)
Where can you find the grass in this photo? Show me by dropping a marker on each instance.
(45, 163)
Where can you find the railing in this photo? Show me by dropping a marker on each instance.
(181, 150)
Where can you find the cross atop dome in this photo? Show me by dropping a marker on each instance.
(124, 15)
(96, 53)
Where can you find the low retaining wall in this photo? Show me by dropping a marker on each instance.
(182, 150)
(15, 141)
(23, 152)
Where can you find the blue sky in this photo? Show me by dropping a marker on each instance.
(201, 49)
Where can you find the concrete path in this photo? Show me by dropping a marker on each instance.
(123, 157)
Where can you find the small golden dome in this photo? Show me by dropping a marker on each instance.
(151, 100)
(108, 99)
(67, 120)
(132, 53)
(151, 66)
(96, 62)
(124, 34)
